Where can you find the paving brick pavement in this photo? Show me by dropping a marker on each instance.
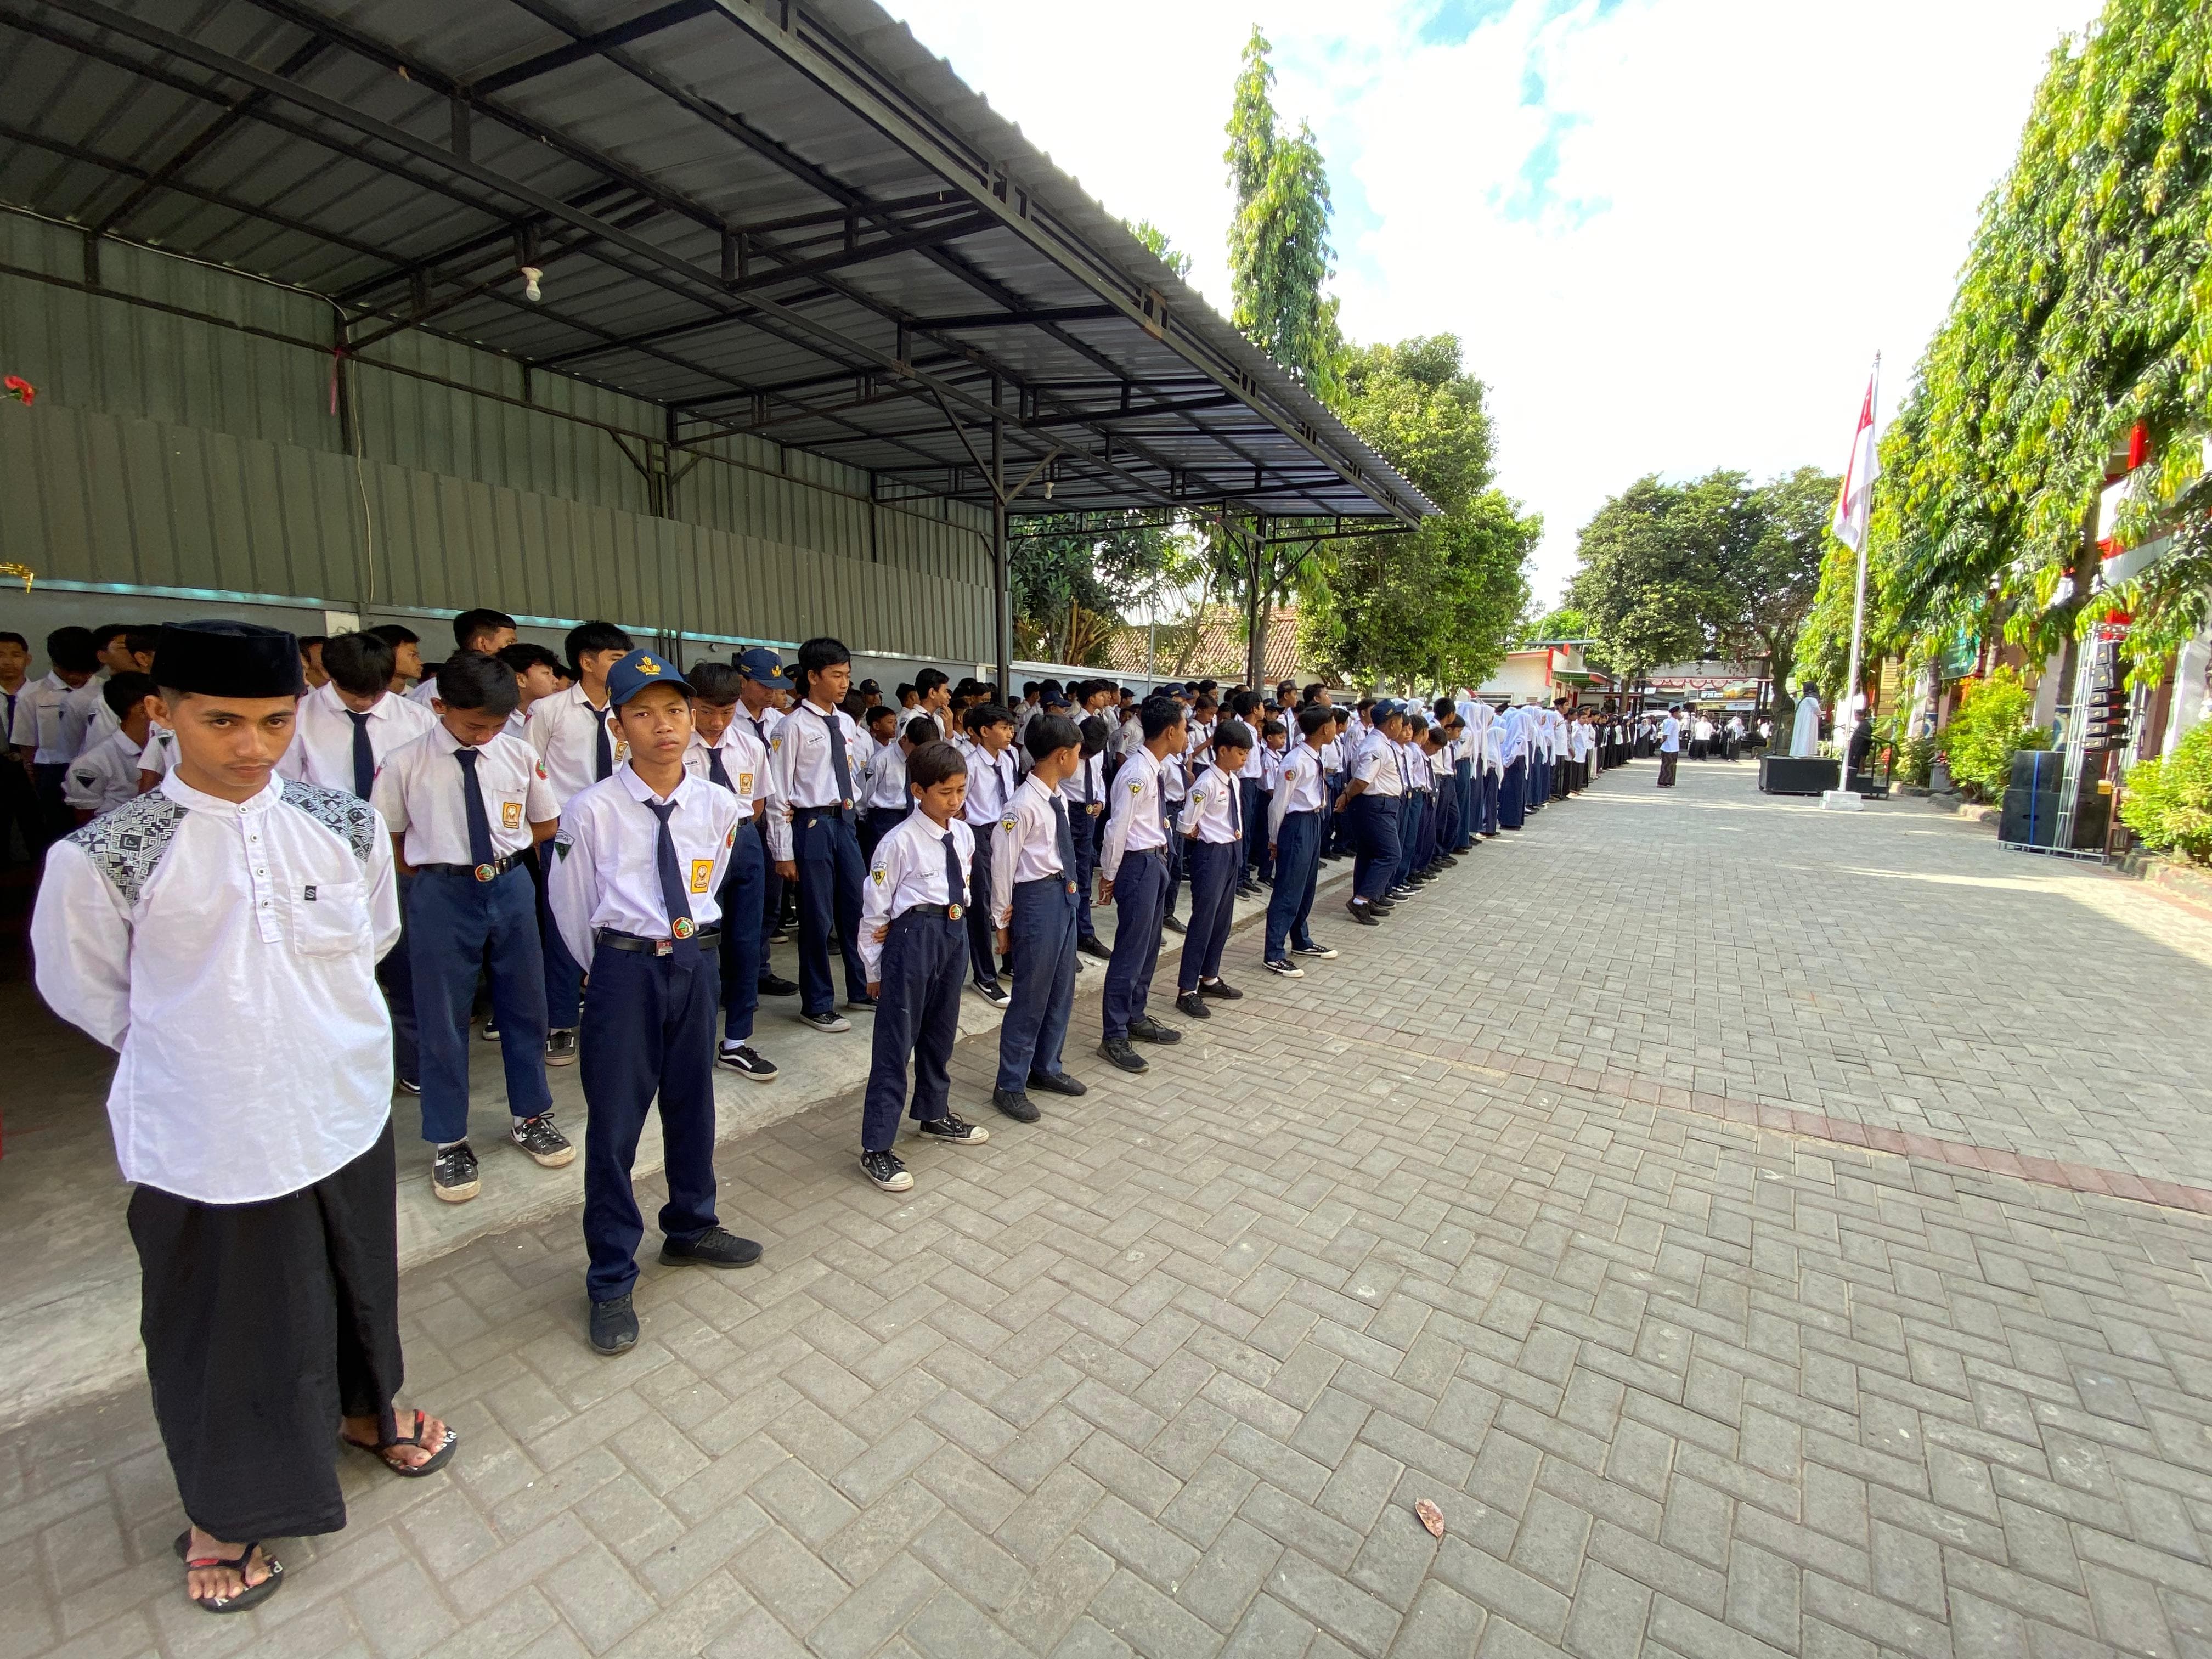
(1166, 1374)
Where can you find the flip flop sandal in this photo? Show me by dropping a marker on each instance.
(251, 1596)
(431, 1465)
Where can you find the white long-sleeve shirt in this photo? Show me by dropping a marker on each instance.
(752, 780)
(908, 869)
(322, 738)
(604, 872)
(1133, 824)
(564, 731)
(227, 951)
(804, 762)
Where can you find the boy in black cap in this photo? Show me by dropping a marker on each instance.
(182, 929)
(637, 864)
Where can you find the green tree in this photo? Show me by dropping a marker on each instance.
(1279, 249)
(1075, 576)
(2084, 309)
(1716, 567)
(1156, 243)
(1564, 624)
(1437, 605)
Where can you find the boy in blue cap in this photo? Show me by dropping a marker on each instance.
(637, 865)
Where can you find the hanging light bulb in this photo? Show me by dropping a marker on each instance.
(529, 289)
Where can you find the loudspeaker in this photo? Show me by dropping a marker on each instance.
(1790, 775)
(2030, 818)
(2037, 768)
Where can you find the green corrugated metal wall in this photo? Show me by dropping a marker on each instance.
(166, 452)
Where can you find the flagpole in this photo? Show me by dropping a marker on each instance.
(1849, 722)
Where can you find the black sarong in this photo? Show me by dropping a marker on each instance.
(265, 1324)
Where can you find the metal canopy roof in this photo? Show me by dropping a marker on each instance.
(770, 219)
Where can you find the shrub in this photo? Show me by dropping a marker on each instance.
(2168, 801)
(1915, 760)
(1991, 725)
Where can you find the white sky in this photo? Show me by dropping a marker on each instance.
(1671, 233)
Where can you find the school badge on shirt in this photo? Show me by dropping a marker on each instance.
(702, 871)
(510, 815)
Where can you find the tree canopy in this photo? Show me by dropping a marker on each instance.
(1718, 567)
(2084, 308)
(1438, 604)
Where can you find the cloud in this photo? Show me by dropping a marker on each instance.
(1672, 234)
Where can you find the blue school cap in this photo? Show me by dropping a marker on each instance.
(763, 667)
(636, 671)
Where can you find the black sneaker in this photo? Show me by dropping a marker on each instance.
(547, 1146)
(1059, 1083)
(1362, 912)
(886, 1171)
(1118, 1050)
(1189, 1004)
(491, 1029)
(715, 1248)
(1220, 990)
(1381, 906)
(1146, 1028)
(1014, 1104)
(561, 1047)
(741, 1058)
(412, 1087)
(773, 985)
(992, 992)
(862, 1003)
(1284, 968)
(614, 1325)
(453, 1174)
(954, 1128)
(828, 1020)
(1172, 924)
(1091, 945)
(1246, 889)
(1318, 952)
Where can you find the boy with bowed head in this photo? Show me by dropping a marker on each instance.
(220, 931)
(817, 765)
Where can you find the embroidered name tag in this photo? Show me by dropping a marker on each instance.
(702, 871)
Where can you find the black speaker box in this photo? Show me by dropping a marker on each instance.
(1789, 775)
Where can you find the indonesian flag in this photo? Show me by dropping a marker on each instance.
(1856, 499)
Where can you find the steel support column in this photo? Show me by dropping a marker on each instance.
(1002, 584)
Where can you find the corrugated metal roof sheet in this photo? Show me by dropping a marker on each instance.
(784, 220)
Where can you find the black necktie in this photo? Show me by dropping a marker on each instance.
(1236, 807)
(954, 884)
(472, 803)
(603, 752)
(837, 762)
(364, 757)
(1089, 799)
(1066, 840)
(715, 770)
(672, 893)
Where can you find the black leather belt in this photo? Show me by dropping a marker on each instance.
(818, 811)
(659, 947)
(939, 912)
(497, 867)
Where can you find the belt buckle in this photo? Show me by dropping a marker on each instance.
(662, 947)
(952, 913)
(485, 872)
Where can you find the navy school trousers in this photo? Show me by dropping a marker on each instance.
(742, 952)
(1170, 816)
(876, 823)
(831, 872)
(649, 1031)
(1041, 938)
(395, 975)
(1298, 868)
(1463, 773)
(982, 939)
(1141, 894)
(1374, 843)
(1088, 829)
(771, 897)
(458, 927)
(925, 960)
(1411, 826)
(1214, 866)
(564, 980)
(1253, 805)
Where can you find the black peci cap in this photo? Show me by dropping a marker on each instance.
(223, 658)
